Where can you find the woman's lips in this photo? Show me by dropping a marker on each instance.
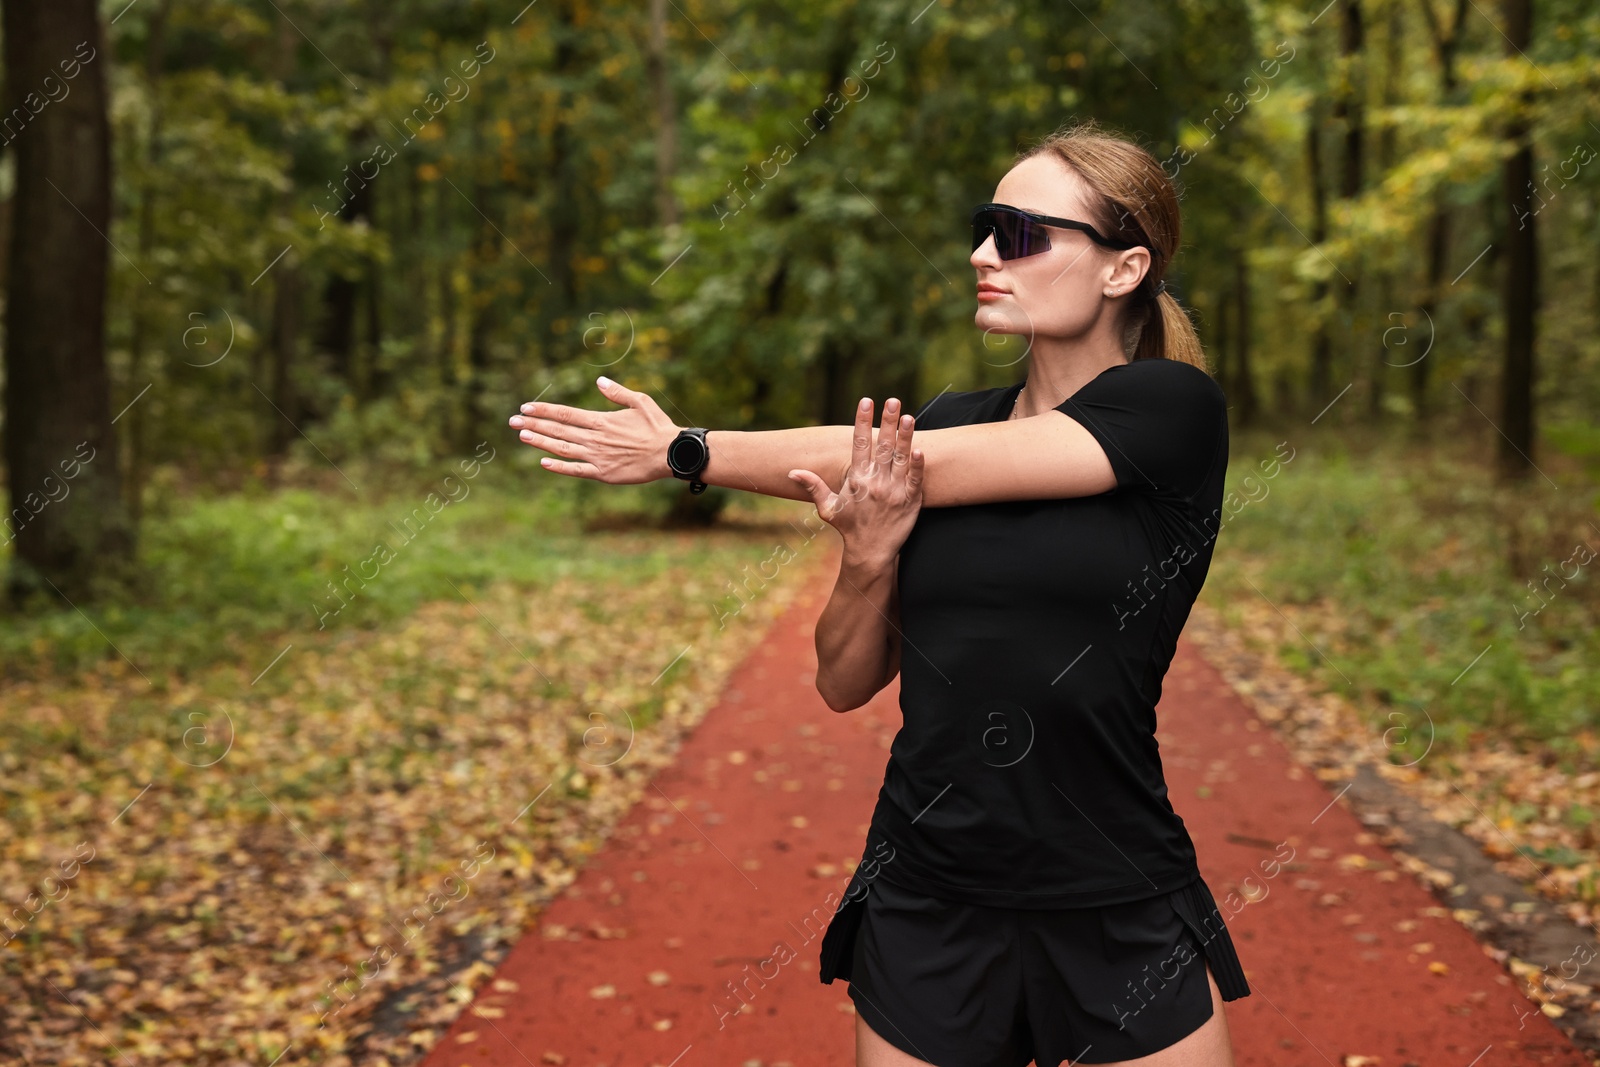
(991, 294)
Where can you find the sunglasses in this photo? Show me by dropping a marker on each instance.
(1019, 233)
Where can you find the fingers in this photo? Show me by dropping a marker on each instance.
(570, 416)
(814, 486)
(552, 429)
(618, 394)
(914, 472)
(554, 445)
(861, 442)
(887, 431)
(577, 470)
(902, 440)
(583, 417)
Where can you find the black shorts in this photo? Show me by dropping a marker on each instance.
(963, 985)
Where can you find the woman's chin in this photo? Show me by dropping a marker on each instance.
(993, 320)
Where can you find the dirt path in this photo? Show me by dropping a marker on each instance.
(722, 879)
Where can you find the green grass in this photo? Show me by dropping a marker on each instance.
(1406, 569)
(223, 576)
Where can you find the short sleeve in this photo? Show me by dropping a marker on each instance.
(1162, 423)
(950, 409)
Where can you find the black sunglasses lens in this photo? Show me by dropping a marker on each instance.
(1015, 236)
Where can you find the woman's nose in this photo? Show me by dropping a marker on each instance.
(985, 253)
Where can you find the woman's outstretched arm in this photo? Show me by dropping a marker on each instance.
(1044, 457)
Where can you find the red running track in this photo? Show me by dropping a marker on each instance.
(729, 869)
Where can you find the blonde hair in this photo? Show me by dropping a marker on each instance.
(1132, 198)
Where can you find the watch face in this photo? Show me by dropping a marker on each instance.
(687, 455)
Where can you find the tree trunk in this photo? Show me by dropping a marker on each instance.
(1243, 385)
(373, 381)
(1221, 338)
(1521, 274)
(1393, 65)
(1438, 249)
(68, 517)
(565, 216)
(836, 405)
(340, 294)
(1349, 112)
(444, 325)
(1321, 385)
(1444, 40)
(138, 340)
(285, 336)
(666, 116)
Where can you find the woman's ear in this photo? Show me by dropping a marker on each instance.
(1131, 267)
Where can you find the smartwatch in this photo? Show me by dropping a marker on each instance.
(688, 455)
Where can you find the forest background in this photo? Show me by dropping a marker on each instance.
(277, 271)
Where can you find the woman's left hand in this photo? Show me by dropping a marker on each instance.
(877, 505)
(622, 447)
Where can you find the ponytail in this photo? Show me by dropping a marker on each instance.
(1162, 328)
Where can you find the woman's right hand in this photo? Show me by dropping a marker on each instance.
(877, 505)
(622, 447)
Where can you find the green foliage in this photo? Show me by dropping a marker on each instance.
(1413, 585)
(467, 204)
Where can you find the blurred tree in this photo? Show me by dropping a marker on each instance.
(1515, 454)
(67, 518)
(1444, 37)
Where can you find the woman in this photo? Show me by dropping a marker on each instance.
(1028, 891)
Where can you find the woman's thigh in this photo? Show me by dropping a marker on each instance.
(873, 1051)
(1209, 1046)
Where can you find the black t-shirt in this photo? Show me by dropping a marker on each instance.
(1036, 635)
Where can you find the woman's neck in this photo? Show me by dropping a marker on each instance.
(1052, 380)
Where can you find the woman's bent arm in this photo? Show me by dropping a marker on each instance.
(858, 639)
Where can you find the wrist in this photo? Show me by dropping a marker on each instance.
(867, 564)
